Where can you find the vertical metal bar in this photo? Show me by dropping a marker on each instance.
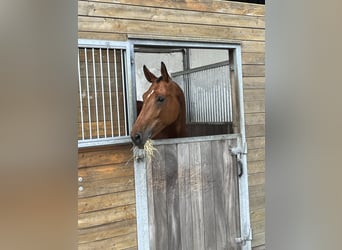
(123, 80)
(229, 100)
(227, 96)
(209, 104)
(224, 94)
(234, 92)
(80, 91)
(204, 105)
(244, 193)
(131, 89)
(140, 177)
(110, 93)
(117, 93)
(88, 96)
(95, 90)
(219, 101)
(103, 98)
(187, 82)
(197, 105)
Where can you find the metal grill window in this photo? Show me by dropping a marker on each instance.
(102, 94)
(208, 93)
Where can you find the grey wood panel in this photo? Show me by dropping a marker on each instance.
(185, 208)
(208, 197)
(218, 171)
(172, 197)
(193, 196)
(159, 197)
(196, 195)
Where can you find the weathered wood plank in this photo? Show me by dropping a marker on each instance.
(256, 202)
(130, 248)
(106, 172)
(106, 201)
(256, 179)
(106, 186)
(102, 36)
(110, 155)
(196, 195)
(253, 46)
(258, 239)
(229, 7)
(255, 130)
(119, 242)
(258, 215)
(95, 24)
(218, 173)
(254, 82)
(256, 167)
(97, 218)
(254, 106)
(256, 191)
(208, 196)
(253, 70)
(254, 95)
(107, 231)
(256, 142)
(254, 118)
(253, 58)
(159, 196)
(256, 154)
(261, 247)
(203, 187)
(172, 197)
(158, 14)
(184, 196)
(258, 227)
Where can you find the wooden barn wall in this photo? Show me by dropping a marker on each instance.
(197, 20)
(106, 200)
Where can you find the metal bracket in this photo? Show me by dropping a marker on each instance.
(242, 240)
(239, 150)
(139, 154)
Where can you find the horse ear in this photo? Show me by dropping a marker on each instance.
(165, 75)
(149, 76)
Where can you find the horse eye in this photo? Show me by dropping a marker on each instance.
(160, 98)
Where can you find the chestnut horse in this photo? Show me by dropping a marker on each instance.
(162, 114)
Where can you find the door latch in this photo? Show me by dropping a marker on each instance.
(238, 152)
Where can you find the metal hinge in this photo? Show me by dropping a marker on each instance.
(239, 150)
(139, 154)
(244, 239)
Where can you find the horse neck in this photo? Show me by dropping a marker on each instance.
(177, 128)
(174, 130)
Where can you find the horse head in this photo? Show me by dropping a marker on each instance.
(162, 114)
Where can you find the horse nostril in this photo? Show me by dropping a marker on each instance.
(137, 138)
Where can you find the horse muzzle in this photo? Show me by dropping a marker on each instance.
(139, 139)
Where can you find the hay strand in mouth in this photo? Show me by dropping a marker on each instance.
(149, 149)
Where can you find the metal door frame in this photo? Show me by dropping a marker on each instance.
(240, 151)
